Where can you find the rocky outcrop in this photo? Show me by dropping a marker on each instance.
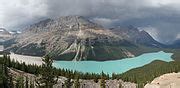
(31, 79)
(171, 80)
(92, 84)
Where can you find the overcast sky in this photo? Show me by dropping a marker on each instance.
(161, 18)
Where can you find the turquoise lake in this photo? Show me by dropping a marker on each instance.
(115, 66)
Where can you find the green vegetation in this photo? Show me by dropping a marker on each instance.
(30, 49)
(1, 74)
(77, 83)
(4, 77)
(141, 75)
(108, 52)
(20, 82)
(47, 74)
(120, 85)
(68, 83)
(147, 73)
(176, 53)
(105, 52)
(102, 83)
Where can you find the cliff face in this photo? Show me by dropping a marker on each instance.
(75, 38)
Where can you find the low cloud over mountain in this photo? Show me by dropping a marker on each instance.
(162, 15)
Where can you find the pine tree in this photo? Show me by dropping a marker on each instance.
(27, 82)
(68, 83)
(47, 73)
(77, 83)
(5, 72)
(31, 84)
(23, 67)
(20, 82)
(102, 83)
(120, 85)
(102, 80)
(11, 84)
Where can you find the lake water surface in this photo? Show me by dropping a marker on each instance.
(115, 66)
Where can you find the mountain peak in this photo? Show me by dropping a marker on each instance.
(3, 31)
(65, 23)
(70, 35)
(73, 21)
(132, 33)
(70, 17)
(77, 38)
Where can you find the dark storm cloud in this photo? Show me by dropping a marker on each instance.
(159, 17)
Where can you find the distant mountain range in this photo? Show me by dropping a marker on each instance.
(176, 44)
(4, 33)
(76, 38)
(132, 34)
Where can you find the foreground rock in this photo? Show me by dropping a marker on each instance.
(171, 80)
(16, 74)
(92, 84)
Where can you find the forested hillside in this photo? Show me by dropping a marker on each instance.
(148, 72)
(141, 75)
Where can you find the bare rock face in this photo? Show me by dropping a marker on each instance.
(32, 79)
(92, 84)
(170, 80)
(73, 38)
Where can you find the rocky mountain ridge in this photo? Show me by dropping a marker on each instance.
(136, 36)
(4, 34)
(76, 38)
(175, 44)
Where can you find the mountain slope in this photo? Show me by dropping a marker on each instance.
(74, 38)
(4, 33)
(176, 44)
(132, 34)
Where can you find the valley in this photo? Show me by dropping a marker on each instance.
(85, 53)
(108, 67)
(89, 44)
(128, 76)
(76, 38)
